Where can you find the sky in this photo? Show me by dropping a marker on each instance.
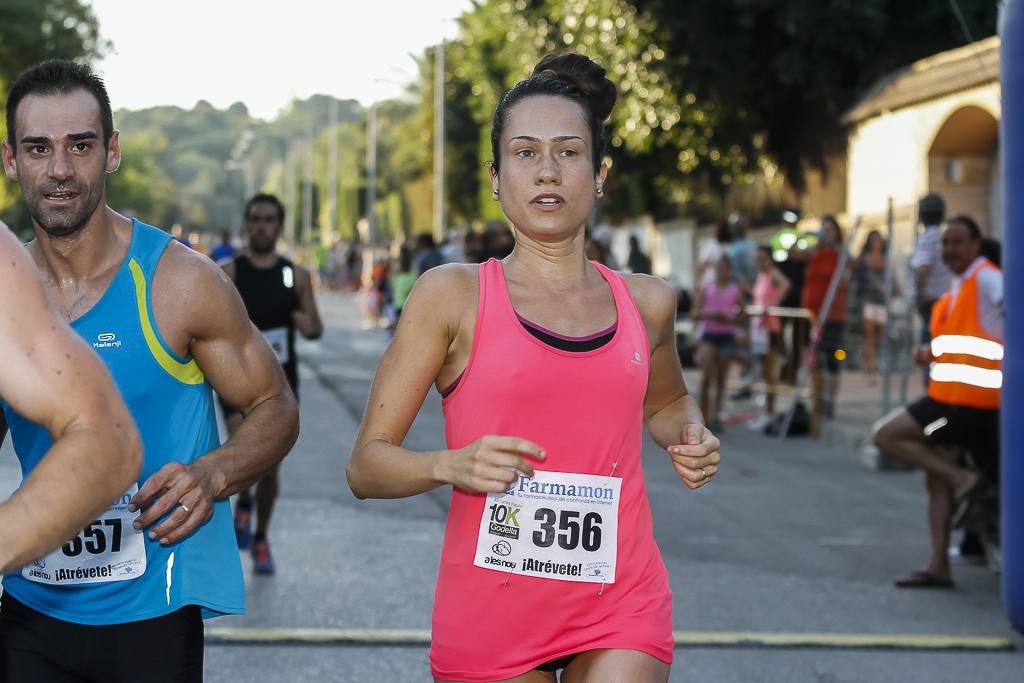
(265, 53)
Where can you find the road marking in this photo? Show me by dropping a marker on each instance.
(727, 639)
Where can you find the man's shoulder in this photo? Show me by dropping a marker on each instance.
(180, 265)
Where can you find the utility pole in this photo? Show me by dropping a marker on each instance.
(307, 188)
(439, 87)
(371, 177)
(332, 232)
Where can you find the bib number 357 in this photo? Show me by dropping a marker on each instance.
(555, 525)
(107, 549)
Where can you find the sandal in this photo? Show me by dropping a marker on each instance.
(923, 579)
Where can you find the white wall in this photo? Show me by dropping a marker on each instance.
(888, 154)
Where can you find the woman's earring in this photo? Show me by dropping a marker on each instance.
(495, 193)
(600, 191)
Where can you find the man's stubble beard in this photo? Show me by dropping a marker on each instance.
(62, 223)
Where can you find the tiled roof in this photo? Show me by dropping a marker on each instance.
(941, 74)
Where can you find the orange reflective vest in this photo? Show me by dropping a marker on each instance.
(966, 369)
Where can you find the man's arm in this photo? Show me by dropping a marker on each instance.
(52, 378)
(243, 369)
(307, 317)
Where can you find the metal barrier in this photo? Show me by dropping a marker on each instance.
(775, 387)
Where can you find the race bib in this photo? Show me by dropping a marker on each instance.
(109, 549)
(557, 525)
(277, 337)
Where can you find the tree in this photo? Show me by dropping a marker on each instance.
(30, 32)
(781, 73)
(500, 42)
(140, 186)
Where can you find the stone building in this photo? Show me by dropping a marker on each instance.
(931, 126)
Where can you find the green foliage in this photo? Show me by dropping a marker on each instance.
(500, 42)
(31, 31)
(715, 96)
(781, 73)
(140, 186)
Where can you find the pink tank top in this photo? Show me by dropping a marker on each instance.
(766, 294)
(586, 410)
(724, 300)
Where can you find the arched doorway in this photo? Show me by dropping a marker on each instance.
(963, 167)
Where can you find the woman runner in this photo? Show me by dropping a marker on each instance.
(550, 365)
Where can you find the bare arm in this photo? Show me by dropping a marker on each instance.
(781, 282)
(307, 318)
(52, 378)
(245, 372)
(671, 413)
(433, 333)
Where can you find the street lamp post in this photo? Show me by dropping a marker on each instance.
(371, 176)
(439, 227)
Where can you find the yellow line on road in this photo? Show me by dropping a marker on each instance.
(731, 639)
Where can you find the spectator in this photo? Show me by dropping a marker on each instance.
(742, 251)
(827, 332)
(961, 409)
(225, 249)
(770, 287)
(427, 254)
(869, 275)
(711, 252)
(473, 247)
(638, 261)
(931, 277)
(794, 330)
(718, 309)
(354, 265)
(402, 281)
(498, 240)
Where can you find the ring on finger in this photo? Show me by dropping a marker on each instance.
(187, 511)
(703, 474)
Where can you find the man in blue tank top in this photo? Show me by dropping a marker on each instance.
(57, 382)
(278, 295)
(124, 599)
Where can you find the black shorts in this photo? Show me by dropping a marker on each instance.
(975, 429)
(38, 648)
(725, 342)
(556, 664)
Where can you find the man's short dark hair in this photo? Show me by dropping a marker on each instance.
(264, 198)
(58, 77)
(972, 226)
(931, 209)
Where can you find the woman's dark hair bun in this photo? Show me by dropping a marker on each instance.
(585, 75)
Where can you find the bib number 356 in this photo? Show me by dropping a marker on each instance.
(554, 525)
(571, 533)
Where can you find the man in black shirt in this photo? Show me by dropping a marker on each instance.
(278, 295)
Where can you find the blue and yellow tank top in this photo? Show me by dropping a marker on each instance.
(109, 573)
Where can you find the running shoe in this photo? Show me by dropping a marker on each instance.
(243, 527)
(262, 562)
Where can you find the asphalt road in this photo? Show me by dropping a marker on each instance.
(793, 539)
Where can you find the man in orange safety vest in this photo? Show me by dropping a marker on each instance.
(961, 409)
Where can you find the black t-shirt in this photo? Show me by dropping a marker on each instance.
(270, 298)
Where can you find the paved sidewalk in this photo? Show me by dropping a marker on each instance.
(859, 405)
